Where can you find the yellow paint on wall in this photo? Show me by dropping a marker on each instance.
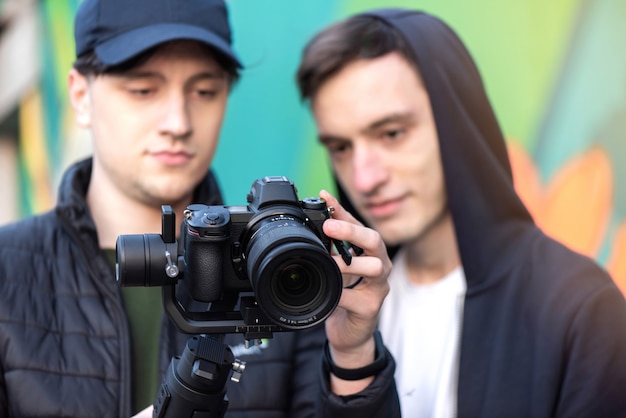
(34, 151)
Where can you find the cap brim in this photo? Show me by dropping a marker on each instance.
(129, 44)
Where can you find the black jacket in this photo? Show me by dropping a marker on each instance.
(64, 339)
(544, 328)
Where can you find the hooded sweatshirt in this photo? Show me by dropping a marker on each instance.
(544, 328)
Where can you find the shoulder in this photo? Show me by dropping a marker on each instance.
(553, 263)
(563, 284)
(30, 232)
(30, 246)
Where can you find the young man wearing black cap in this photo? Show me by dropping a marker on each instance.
(486, 316)
(151, 82)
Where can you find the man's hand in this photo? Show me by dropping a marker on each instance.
(351, 327)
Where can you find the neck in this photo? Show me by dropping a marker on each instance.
(116, 213)
(434, 255)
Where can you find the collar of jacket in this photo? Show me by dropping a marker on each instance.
(74, 212)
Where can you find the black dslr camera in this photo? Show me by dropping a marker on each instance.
(254, 269)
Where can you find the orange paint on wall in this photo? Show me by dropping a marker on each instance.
(575, 207)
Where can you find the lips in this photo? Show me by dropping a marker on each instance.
(383, 209)
(172, 158)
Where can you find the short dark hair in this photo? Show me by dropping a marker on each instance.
(88, 64)
(358, 37)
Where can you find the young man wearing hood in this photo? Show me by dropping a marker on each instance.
(487, 316)
(151, 83)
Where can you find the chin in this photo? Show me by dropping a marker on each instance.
(394, 240)
(167, 196)
(392, 235)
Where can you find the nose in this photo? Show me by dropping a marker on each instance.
(175, 119)
(369, 170)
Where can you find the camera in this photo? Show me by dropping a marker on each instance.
(258, 268)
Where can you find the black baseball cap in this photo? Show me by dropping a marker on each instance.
(117, 30)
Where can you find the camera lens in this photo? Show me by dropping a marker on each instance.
(297, 287)
(296, 282)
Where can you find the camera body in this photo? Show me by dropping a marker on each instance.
(273, 250)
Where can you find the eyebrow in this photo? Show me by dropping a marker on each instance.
(392, 118)
(369, 129)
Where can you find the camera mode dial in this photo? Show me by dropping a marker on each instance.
(313, 203)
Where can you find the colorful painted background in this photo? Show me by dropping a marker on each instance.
(555, 71)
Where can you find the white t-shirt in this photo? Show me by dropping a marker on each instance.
(421, 327)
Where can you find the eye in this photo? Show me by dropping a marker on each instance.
(140, 88)
(337, 149)
(208, 88)
(394, 134)
(206, 93)
(142, 92)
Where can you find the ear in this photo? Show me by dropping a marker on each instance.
(78, 86)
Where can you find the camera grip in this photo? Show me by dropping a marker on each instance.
(204, 273)
(208, 230)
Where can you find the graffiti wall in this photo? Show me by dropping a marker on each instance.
(555, 72)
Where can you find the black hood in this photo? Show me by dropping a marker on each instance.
(489, 218)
